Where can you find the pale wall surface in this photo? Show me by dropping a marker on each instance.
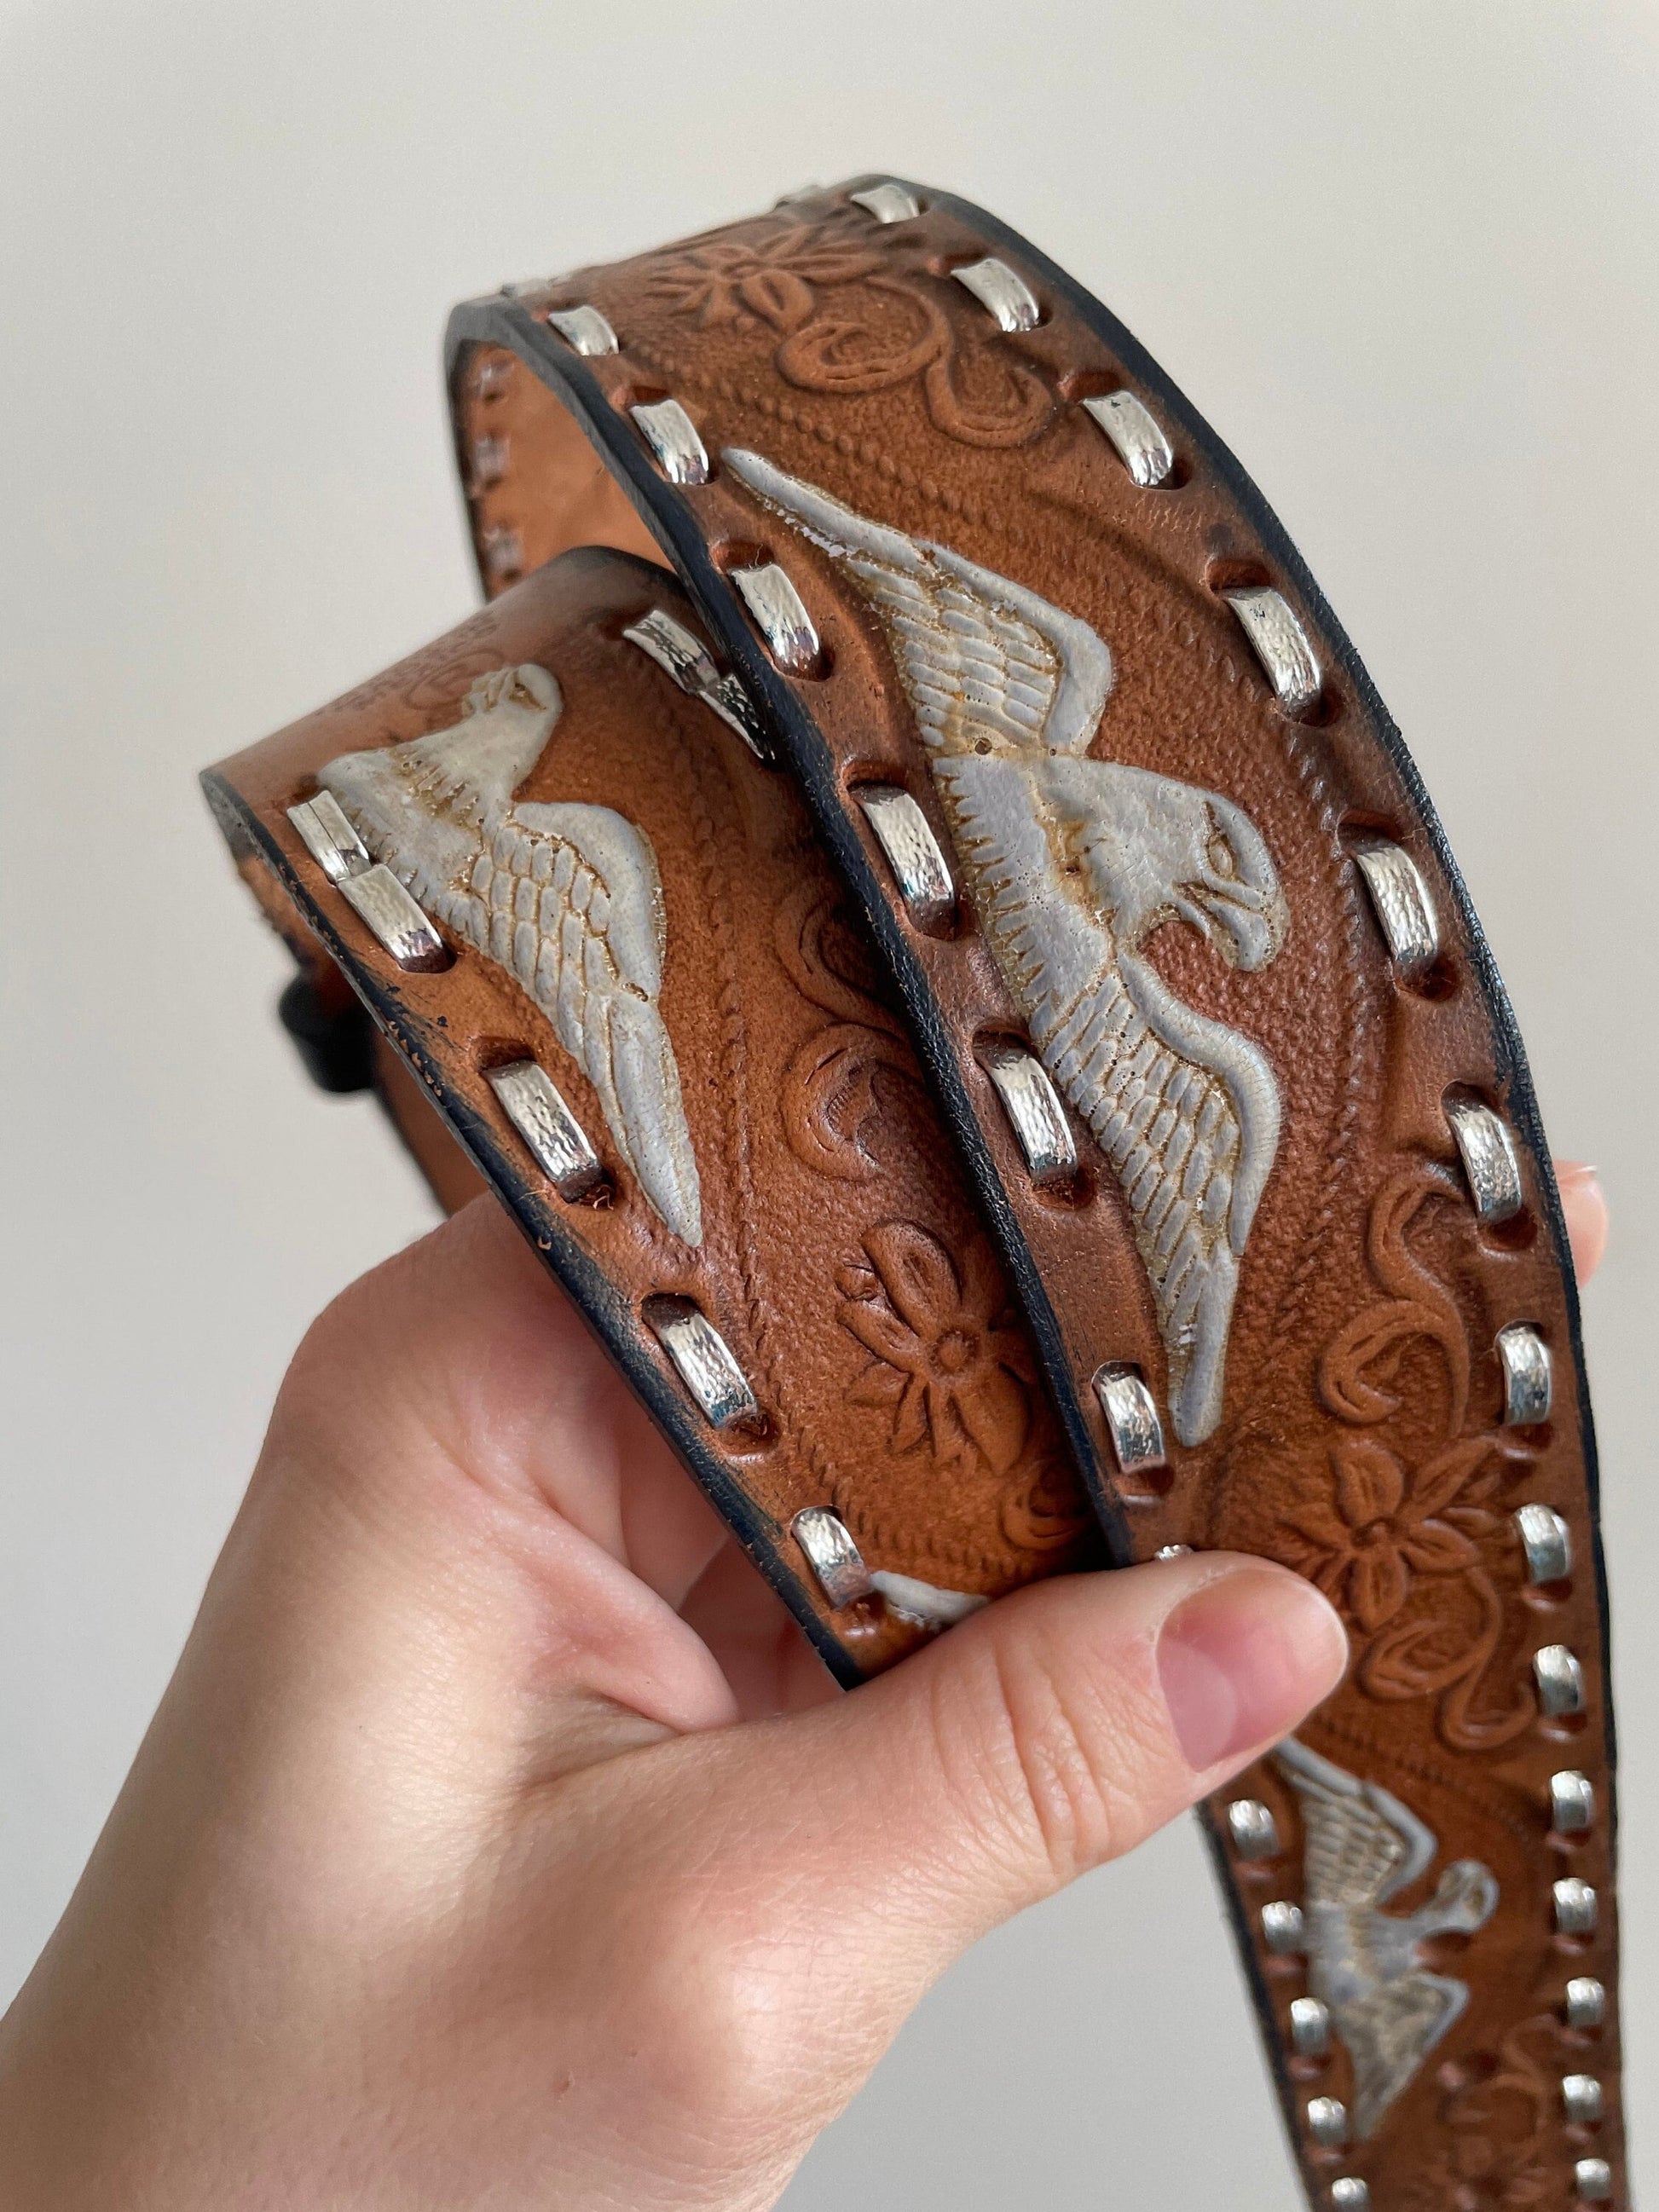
(1403, 256)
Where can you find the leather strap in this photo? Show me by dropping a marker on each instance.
(1024, 1016)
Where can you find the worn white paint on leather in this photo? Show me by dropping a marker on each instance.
(1363, 1846)
(566, 897)
(1071, 863)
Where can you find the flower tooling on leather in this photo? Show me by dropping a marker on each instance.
(1501, 2147)
(836, 1099)
(952, 1365)
(1419, 1555)
(845, 326)
(951, 1360)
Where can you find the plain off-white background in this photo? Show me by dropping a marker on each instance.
(1403, 256)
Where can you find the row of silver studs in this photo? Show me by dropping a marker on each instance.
(529, 1098)
(1284, 1928)
(1275, 630)
(838, 1565)
(1559, 1677)
(1572, 1810)
(1255, 1837)
(1406, 915)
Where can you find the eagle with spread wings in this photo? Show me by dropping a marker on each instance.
(1362, 1847)
(1072, 862)
(566, 897)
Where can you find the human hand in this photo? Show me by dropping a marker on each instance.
(498, 1841)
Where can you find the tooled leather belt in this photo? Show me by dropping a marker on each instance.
(962, 982)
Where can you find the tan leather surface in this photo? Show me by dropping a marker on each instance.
(835, 1215)
(1362, 1442)
(1361, 1438)
(562, 496)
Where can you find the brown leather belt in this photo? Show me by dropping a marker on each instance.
(966, 988)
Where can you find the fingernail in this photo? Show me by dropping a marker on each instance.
(1243, 1660)
(1586, 1211)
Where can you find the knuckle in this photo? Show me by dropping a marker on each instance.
(1074, 1766)
(713, 2008)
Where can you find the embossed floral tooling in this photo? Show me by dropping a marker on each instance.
(1415, 1553)
(949, 1362)
(891, 332)
(773, 279)
(1382, 1526)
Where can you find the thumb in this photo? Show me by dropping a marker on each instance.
(862, 1845)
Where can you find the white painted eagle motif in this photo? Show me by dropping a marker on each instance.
(1362, 1847)
(1072, 864)
(566, 897)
